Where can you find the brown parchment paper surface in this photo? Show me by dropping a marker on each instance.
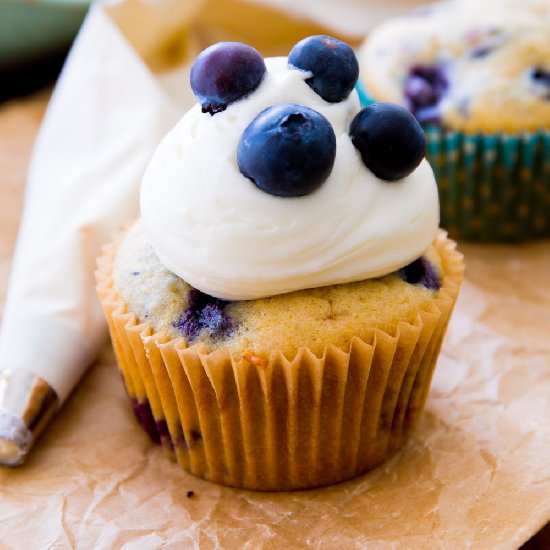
(476, 472)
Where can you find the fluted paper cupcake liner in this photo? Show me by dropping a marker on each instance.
(281, 423)
(491, 187)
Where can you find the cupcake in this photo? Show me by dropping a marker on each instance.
(477, 76)
(278, 309)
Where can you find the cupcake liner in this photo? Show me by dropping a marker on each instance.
(130, 359)
(280, 423)
(491, 187)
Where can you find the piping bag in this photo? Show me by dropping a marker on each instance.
(117, 96)
(83, 183)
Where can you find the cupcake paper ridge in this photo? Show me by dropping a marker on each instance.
(291, 423)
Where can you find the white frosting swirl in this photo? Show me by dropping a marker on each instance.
(216, 230)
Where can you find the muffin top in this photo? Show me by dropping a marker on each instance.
(467, 65)
(317, 317)
(277, 181)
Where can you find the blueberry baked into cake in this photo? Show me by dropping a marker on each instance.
(477, 76)
(278, 309)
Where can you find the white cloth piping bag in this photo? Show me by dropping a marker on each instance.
(83, 184)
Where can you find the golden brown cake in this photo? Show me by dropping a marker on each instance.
(306, 414)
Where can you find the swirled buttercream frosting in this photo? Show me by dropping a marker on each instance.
(214, 228)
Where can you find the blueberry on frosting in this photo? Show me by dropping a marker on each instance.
(332, 63)
(390, 140)
(288, 150)
(224, 73)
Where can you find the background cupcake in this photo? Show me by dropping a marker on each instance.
(279, 330)
(477, 76)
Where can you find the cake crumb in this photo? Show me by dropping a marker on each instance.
(250, 356)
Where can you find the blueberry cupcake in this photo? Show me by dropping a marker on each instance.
(278, 309)
(477, 76)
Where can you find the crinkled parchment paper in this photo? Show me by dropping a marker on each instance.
(476, 472)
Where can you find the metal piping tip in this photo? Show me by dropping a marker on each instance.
(27, 402)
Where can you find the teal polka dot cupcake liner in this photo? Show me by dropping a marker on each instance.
(491, 187)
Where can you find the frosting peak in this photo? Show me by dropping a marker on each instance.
(215, 229)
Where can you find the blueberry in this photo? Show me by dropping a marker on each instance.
(144, 415)
(541, 78)
(420, 90)
(164, 434)
(421, 272)
(541, 75)
(390, 140)
(332, 63)
(195, 436)
(225, 72)
(424, 88)
(197, 301)
(203, 312)
(213, 319)
(288, 150)
(189, 324)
